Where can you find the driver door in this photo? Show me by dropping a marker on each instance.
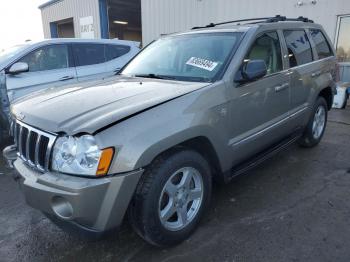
(260, 108)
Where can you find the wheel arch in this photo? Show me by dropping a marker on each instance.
(203, 146)
(327, 94)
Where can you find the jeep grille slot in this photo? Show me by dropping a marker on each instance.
(33, 145)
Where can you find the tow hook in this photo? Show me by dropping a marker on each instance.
(10, 154)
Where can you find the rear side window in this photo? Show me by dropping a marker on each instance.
(89, 54)
(322, 46)
(115, 51)
(299, 47)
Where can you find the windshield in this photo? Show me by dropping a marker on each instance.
(10, 52)
(193, 57)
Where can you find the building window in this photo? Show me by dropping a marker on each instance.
(343, 39)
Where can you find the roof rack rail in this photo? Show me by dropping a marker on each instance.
(274, 19)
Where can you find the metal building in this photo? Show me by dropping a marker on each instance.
(166, 16)
(92, 19)
(147, 20)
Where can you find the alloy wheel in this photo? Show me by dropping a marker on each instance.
(319, 122)
(181, 198)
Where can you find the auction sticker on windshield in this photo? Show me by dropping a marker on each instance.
(202, 63)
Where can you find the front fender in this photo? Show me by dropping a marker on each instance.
(175, 139)
(139, 139)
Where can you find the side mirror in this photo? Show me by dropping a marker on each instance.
(253, 70)
(18, 68)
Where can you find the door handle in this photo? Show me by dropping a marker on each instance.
(316, 74)
(117, 70)
(65, 78)
(281, 87)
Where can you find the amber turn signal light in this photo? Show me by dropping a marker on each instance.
(105, 161)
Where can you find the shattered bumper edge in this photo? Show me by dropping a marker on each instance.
(93, 206)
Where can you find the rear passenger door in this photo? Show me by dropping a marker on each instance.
(302, 72)
(90, 60)
(326, 74)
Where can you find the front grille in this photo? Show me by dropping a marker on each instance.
(33, 145)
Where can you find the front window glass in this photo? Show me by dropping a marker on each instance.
(267, 47)
(192, 57)
(299, 47)
(47, 58)
(343, 43)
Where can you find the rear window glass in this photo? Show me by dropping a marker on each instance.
(115, 51)
(299, 48)
(89, 54)
(322, 46)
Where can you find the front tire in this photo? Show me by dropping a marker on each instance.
(317, 124)
(171, 198)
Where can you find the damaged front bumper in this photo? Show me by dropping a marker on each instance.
(94, 205)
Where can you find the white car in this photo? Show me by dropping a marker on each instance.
(34, 66)
(55, 62)
(342, 96)
(343, 86)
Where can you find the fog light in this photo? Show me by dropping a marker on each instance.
(62, 207)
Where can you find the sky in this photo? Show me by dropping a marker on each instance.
(20, 20)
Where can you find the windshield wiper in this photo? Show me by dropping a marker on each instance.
(197, 79)
(154, 76)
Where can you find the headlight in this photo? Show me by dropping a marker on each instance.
(81, 156)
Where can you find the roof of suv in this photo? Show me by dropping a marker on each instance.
(277, 22)
(246, 27)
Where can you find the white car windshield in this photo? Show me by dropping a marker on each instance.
(197, 57)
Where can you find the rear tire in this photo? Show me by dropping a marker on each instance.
(171, 197)
(316, 126)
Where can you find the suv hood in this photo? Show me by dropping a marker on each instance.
(91, 106)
